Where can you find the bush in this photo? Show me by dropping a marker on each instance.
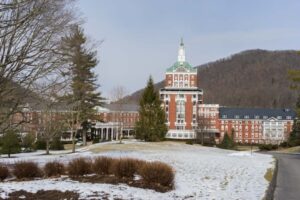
(26, 169)
(158, 172)
(10, 143)
(96, 140)
(125, 167)
(40, 145)
(102, 165)
(4, 172)
(283, 144)
(190, 142)
(54, 168)
(227, 142)
(56, 144)
(79, 167)
(267, 147)
(27, 142)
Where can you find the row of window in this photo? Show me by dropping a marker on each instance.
(255, 117)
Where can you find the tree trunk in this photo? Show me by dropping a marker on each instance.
(47, 147)
(202, 140)
(84, 137)
(73, 142)
(8, 152)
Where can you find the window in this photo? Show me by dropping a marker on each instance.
(279, 117)
(265, 117)
(246, 116)
(256, 116)
(224, 116)
(288, 117)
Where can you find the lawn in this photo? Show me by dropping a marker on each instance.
(201, 172)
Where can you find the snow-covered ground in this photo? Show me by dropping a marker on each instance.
(201, 172)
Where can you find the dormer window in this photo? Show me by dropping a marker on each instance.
(279, 117)
(265, 117)
(288, 117)
(236, 116)
(224, 116)
(256, 116)
(246, 116)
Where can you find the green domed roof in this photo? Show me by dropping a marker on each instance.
(181, 67)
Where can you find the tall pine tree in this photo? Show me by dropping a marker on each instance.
(151, 125)
(83, 60)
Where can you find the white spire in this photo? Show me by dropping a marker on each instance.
(181, 52)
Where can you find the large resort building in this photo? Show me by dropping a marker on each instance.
(187, 115)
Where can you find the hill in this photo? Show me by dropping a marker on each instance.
(253, 78)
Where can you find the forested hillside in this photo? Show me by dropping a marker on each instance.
(253, 78)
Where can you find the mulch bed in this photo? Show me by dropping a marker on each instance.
(129, 181)
(45, 195)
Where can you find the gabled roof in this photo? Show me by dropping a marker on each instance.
(255, 113)
(184, 66)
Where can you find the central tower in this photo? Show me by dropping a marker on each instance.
(181, 98)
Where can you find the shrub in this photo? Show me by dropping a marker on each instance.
(10, 143)
(54, 168)
(191, 142)
(79, 167)
(102, 165)
(158, 172)
(56, 144)
(96, 140)
(125, 167)
(4, 172)
(267, 147)
(26, 169)
(40, 145)
(227, 142)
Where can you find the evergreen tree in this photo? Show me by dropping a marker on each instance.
(10, 143)
(84, 88)
(227, 142)
(151, 125)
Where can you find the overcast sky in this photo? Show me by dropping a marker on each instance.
(141, 37)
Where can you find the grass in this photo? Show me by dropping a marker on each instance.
(269, 174)
(246, 148)
(291, 150)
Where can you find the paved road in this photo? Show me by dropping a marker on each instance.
(288, 178)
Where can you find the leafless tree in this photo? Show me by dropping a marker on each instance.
(117, 96)
(30, 32)
(202, 128)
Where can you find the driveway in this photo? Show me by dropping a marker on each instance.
(288, 178)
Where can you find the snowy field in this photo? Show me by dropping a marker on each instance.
(201, 172)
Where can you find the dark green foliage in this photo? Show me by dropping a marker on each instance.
(26, 170)
(40, 145)
(267, 147)
(54, 168)
(4, 172)
(10, 143)
(96, 140)
(82, 60)
(28, 142)
(191, 142)
(294, 139)
(56, 144)
(151, 125)
(227, 142)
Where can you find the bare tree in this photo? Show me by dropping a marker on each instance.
(117, 96)
(202, 128)
(30, 33)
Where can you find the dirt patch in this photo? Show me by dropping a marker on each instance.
(45, 195)
(131, 182)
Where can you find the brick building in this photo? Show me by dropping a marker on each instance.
(187, 115)
(181, 98)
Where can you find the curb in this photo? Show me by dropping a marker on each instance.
(272, 186)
